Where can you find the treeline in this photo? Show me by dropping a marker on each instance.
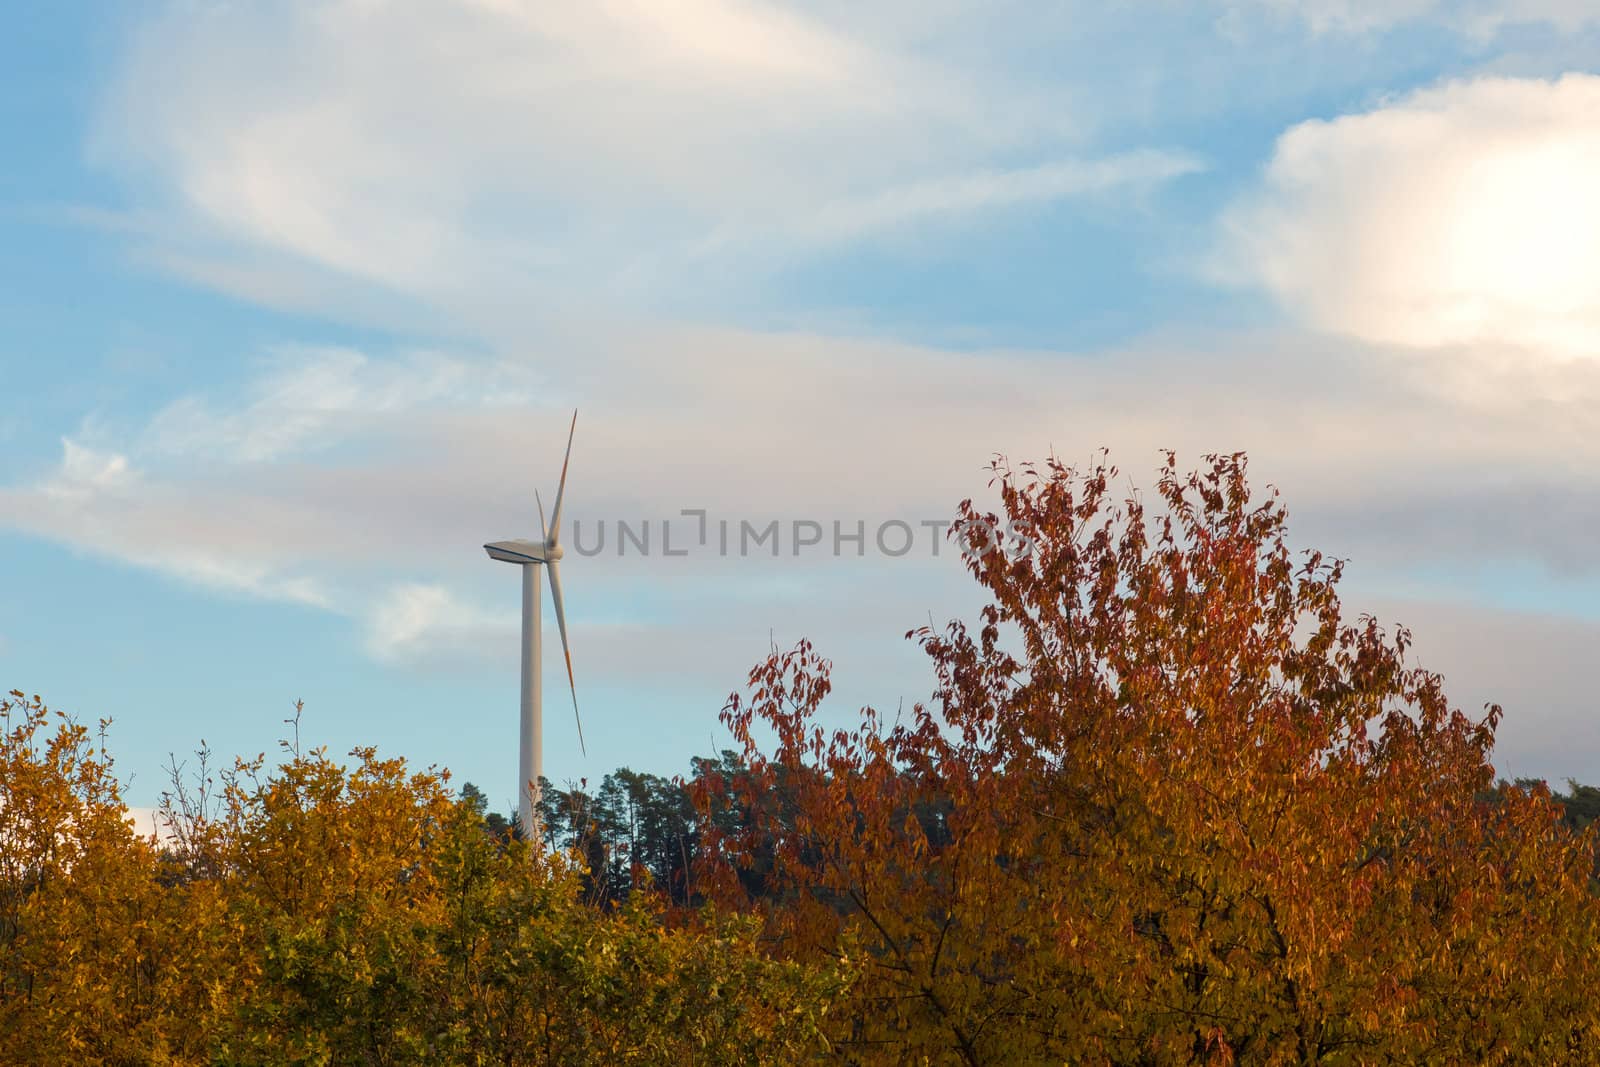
(1167, 804)
(640, 831)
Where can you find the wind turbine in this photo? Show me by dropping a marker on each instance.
(532, 556)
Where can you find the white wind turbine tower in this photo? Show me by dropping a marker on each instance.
(532, 556)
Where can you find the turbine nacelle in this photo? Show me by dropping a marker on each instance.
(520, 551)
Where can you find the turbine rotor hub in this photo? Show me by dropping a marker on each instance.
(553, 551)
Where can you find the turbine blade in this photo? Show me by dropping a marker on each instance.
(555, 516)
(561, 624)
(544, 534)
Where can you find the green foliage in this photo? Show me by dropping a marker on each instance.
(1580, 804)
(637, 831)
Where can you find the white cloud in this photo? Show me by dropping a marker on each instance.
(416, 623)
(384, 522)
(460, 148)
(1458, 215)
(85, 472)
(99, 503)
(309, 396)
(180, 496)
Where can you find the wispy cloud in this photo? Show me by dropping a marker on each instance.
(391, 509)
(512, 155)
(1480, 19)
(316, 395)
(200, 492)
(515, 149)
(98, 502)
(958, 198)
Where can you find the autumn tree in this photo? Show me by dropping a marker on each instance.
(1168, 804)
(323, 912)
(109, 951)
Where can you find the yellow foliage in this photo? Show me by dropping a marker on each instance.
(334, 915)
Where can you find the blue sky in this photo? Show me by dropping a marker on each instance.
(298, 299)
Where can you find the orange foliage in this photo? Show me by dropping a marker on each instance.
(1166, 806)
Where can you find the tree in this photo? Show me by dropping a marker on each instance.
(1167, 805)
(102, 956)
(325, 913)
(1580, 804)
(498, 825)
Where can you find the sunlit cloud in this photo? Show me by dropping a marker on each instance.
(1459, 215)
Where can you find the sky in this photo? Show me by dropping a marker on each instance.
(298, 300)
